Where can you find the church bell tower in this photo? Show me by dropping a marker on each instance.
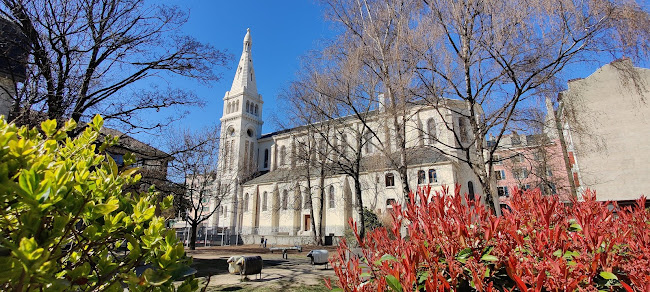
(241, 126)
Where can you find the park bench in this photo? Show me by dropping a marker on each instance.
(285, 250)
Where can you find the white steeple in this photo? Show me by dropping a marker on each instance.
(245, 75)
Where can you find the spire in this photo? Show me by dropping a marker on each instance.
(245, 76)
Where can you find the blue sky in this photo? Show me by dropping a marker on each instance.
(282, 32)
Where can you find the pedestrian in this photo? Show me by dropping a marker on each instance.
(265, 243)
(262, 242)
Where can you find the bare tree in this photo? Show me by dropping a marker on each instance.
(84, 53)
(194, 170)
(491, 55)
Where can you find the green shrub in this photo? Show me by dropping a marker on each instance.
(66, 223)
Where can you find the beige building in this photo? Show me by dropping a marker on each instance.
(608, 118)
(267, 178)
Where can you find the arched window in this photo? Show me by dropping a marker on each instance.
(256, 108)
(390, 180)
(368, 140)
(470, 188)
(433, 177)
(266, 158)
(246, 203)
(228, 107)
(237, 105)
(306, 201)
(344, 144)
(431, 130)
(462, 130)
(283, 154)
(421, 177)
(331, 197)
(265, 197)
(285, 199)
(247, 107)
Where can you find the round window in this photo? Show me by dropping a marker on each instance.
(231, 132)
(249, 132)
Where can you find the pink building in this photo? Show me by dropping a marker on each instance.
(531, 161)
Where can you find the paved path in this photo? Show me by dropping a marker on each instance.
(296, 269)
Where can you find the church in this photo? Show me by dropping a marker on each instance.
(267, 183)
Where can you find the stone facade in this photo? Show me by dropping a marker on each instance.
(608, 117)
(268, 185)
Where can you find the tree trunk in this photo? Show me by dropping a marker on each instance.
(357, 192)
(321, 206)
(193, 227)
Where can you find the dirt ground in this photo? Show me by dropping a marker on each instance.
(277, 274)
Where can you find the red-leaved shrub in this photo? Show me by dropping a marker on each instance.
(441, 243)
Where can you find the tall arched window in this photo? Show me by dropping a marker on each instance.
(306, 201)
(344, 144)
(470, 188)
(256, 108)
(283, 154)
(421, 177)
(228, 107)
(285, 199)
(237, 106)
(246, 203)
(431, 130)
(433, 176)
(390, 179)
(266, 158)
(331, 197)
(462, 130)
(368, 140)
(265, 197)
(247, 107)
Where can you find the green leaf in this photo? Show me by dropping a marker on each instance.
(463, 255)
(393, 283)
(384, 258)
(155, 278)
(105, 209)
(608, 276)
(49, 127)
(98, 122)
(489, 258)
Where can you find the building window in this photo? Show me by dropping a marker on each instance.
(266, 158)
(521, 173)
(256, 109)
(344, 144)
(503, 192)
(421, 177)
(389, 204)
(500, 174)
(462, 130)
(264, 201)
(433, 176)
(247, 107)
(283, 154)
(431, 130)
(368, 140)
(285, 199)
(306, 201)
(205, 209)
(246, 202)
(390, 180)
(552, 187)
(470, 188)
(518, 158)
(525, 187)
(331, 197)
(496, 160)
